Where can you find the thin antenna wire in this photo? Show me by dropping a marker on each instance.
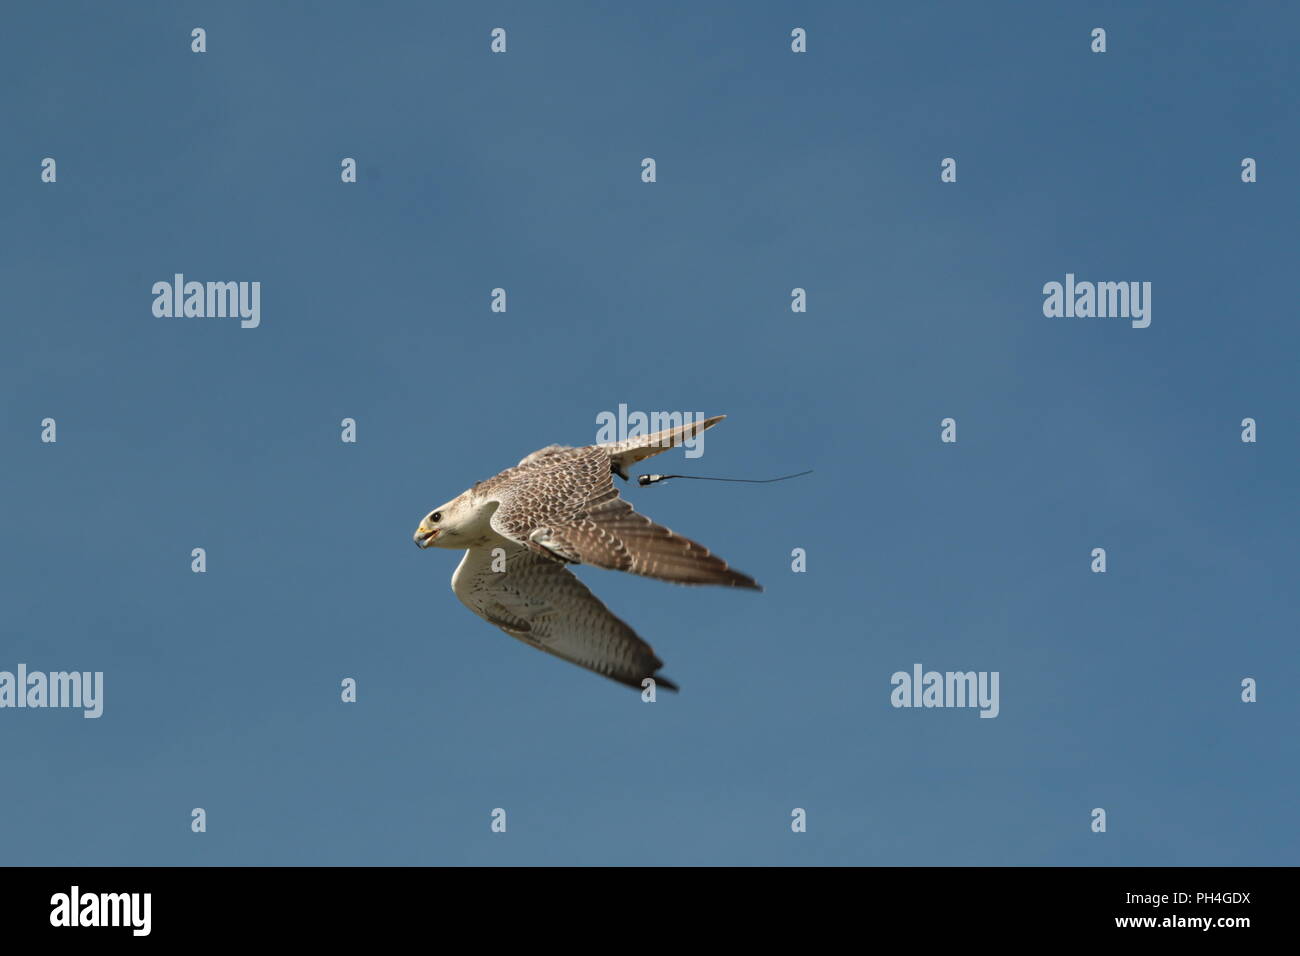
(651, 479)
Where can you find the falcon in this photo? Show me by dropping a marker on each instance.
(557, 507)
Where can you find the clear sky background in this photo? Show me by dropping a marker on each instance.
(1118, 690)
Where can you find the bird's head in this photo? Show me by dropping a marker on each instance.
(447, 526)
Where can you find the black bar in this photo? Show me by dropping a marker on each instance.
(331, 904)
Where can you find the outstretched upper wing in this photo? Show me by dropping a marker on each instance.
(537, 600)
(565, 504)
(624, 454)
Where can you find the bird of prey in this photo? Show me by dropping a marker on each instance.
(557, 507)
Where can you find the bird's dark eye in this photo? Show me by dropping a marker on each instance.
(436, 516)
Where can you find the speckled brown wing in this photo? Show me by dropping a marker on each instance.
(564, 503)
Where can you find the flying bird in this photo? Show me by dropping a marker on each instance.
(557, 507)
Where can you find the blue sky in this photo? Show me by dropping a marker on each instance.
(775, 170)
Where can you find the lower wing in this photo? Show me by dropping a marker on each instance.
(536, 599)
